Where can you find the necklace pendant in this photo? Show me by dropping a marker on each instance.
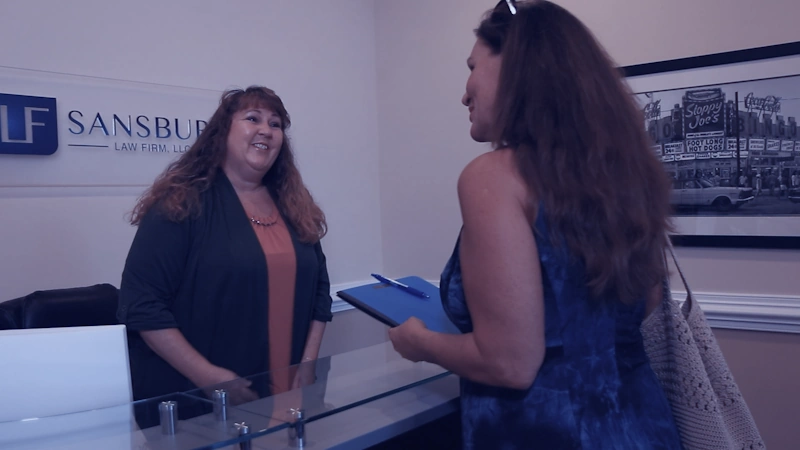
(263, 224)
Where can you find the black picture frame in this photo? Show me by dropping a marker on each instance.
(721, 61)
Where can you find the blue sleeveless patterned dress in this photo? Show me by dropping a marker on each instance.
(595, 388)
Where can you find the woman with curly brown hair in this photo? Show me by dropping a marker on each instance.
(226, 276)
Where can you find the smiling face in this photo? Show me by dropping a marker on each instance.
(254, 142)
(484, 67)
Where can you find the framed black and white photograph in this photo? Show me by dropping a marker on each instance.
(726, 129)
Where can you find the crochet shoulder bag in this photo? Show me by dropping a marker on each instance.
(708, 407)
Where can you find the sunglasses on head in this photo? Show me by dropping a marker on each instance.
(511, 5)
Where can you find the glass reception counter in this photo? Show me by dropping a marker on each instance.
(348, 401)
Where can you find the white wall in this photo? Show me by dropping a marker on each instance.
(374, 89)
(422, 49)
(318, 56)
(424, 129)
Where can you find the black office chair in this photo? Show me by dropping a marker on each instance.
(9, 319)
(71, 307)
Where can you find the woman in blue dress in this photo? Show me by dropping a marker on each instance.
(560, 256)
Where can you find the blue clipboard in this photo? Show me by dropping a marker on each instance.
(393, 306)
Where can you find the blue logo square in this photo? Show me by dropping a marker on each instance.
(28, 125)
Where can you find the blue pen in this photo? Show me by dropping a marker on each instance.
(400, 285)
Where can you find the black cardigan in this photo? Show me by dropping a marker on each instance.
(208, 278)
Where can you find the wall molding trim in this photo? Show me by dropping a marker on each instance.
(749, 312)
(340, 305)
(72, 190)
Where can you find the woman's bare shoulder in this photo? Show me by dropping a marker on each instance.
(494, 173)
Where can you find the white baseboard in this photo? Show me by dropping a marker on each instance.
(340, 305)
(730, 311)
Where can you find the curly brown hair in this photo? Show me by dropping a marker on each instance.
(580, 144)
(176, 192)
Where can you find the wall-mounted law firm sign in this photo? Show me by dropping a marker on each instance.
(29, 126)
(64, 130)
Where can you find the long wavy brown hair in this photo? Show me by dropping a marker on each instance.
(176, 192)
(580, 143)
